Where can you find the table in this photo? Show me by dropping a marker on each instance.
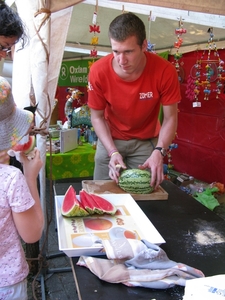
(194, 235)
(78, 163)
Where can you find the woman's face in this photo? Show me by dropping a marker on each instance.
(6, 44)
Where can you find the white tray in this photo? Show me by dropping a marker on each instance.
(76, 239)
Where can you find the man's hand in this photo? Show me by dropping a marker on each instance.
(115, 165)
(155, 164)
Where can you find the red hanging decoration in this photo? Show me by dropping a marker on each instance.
(177, 44)
(94, 28)
(94, 40)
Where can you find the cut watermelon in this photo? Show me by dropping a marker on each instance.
(96, 208)
(86, 204)
(27, 147)
(71, 206)
(81, 211)
(101, 204)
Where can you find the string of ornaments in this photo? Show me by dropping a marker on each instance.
(179, 31)
(95, 30)
(94, 40)
(150, 46)
(207, 75)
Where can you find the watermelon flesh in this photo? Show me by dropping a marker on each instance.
(70, 203)
(89, 204)
(95, 208)
(101, 205)
(27, 147)
(86, 204)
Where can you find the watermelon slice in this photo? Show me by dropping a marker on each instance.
(86, 204)
(81, 211)
(92, 203)
(101, 204)
(27, 147)
(71, 207)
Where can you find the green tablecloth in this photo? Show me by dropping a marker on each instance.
(78, 163)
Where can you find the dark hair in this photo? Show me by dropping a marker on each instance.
(11, 24)
(126, 25)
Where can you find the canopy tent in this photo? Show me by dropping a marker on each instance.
(36, 67)
(160, 22)
(48, 22)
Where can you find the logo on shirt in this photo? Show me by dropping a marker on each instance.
(147, 95)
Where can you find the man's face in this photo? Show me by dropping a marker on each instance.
(5, 45)
(128, 54)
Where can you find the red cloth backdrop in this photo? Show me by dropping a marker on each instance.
(201, 130)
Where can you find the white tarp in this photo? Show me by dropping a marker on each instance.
(37, 65)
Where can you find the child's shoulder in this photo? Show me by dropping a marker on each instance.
(8, 169)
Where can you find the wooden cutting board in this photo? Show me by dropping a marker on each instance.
(110, 187)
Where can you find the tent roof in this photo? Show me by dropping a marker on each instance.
(160, 31)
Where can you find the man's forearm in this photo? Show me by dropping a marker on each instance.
(103, 132)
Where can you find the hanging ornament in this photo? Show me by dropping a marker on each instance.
(94, 40)
(90, 63)
(177, 44)
(169, 155)
(150, 46)
(208, 72)
(95, 29)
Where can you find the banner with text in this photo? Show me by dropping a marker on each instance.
(74, 73)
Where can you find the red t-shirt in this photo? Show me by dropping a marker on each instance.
(132, 108)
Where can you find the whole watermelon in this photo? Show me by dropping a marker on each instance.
(135, 181)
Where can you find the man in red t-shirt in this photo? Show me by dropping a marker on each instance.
(126, 90)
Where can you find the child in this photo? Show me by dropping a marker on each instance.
(21, 214)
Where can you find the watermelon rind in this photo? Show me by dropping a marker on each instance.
(90, 203)
(88, 206)
(71, 206)
(71, 212)
(30, 147)
(135, 181)
(27, 147)
(101, 204)
(81, 212)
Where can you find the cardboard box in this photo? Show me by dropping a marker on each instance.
(68, 140)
